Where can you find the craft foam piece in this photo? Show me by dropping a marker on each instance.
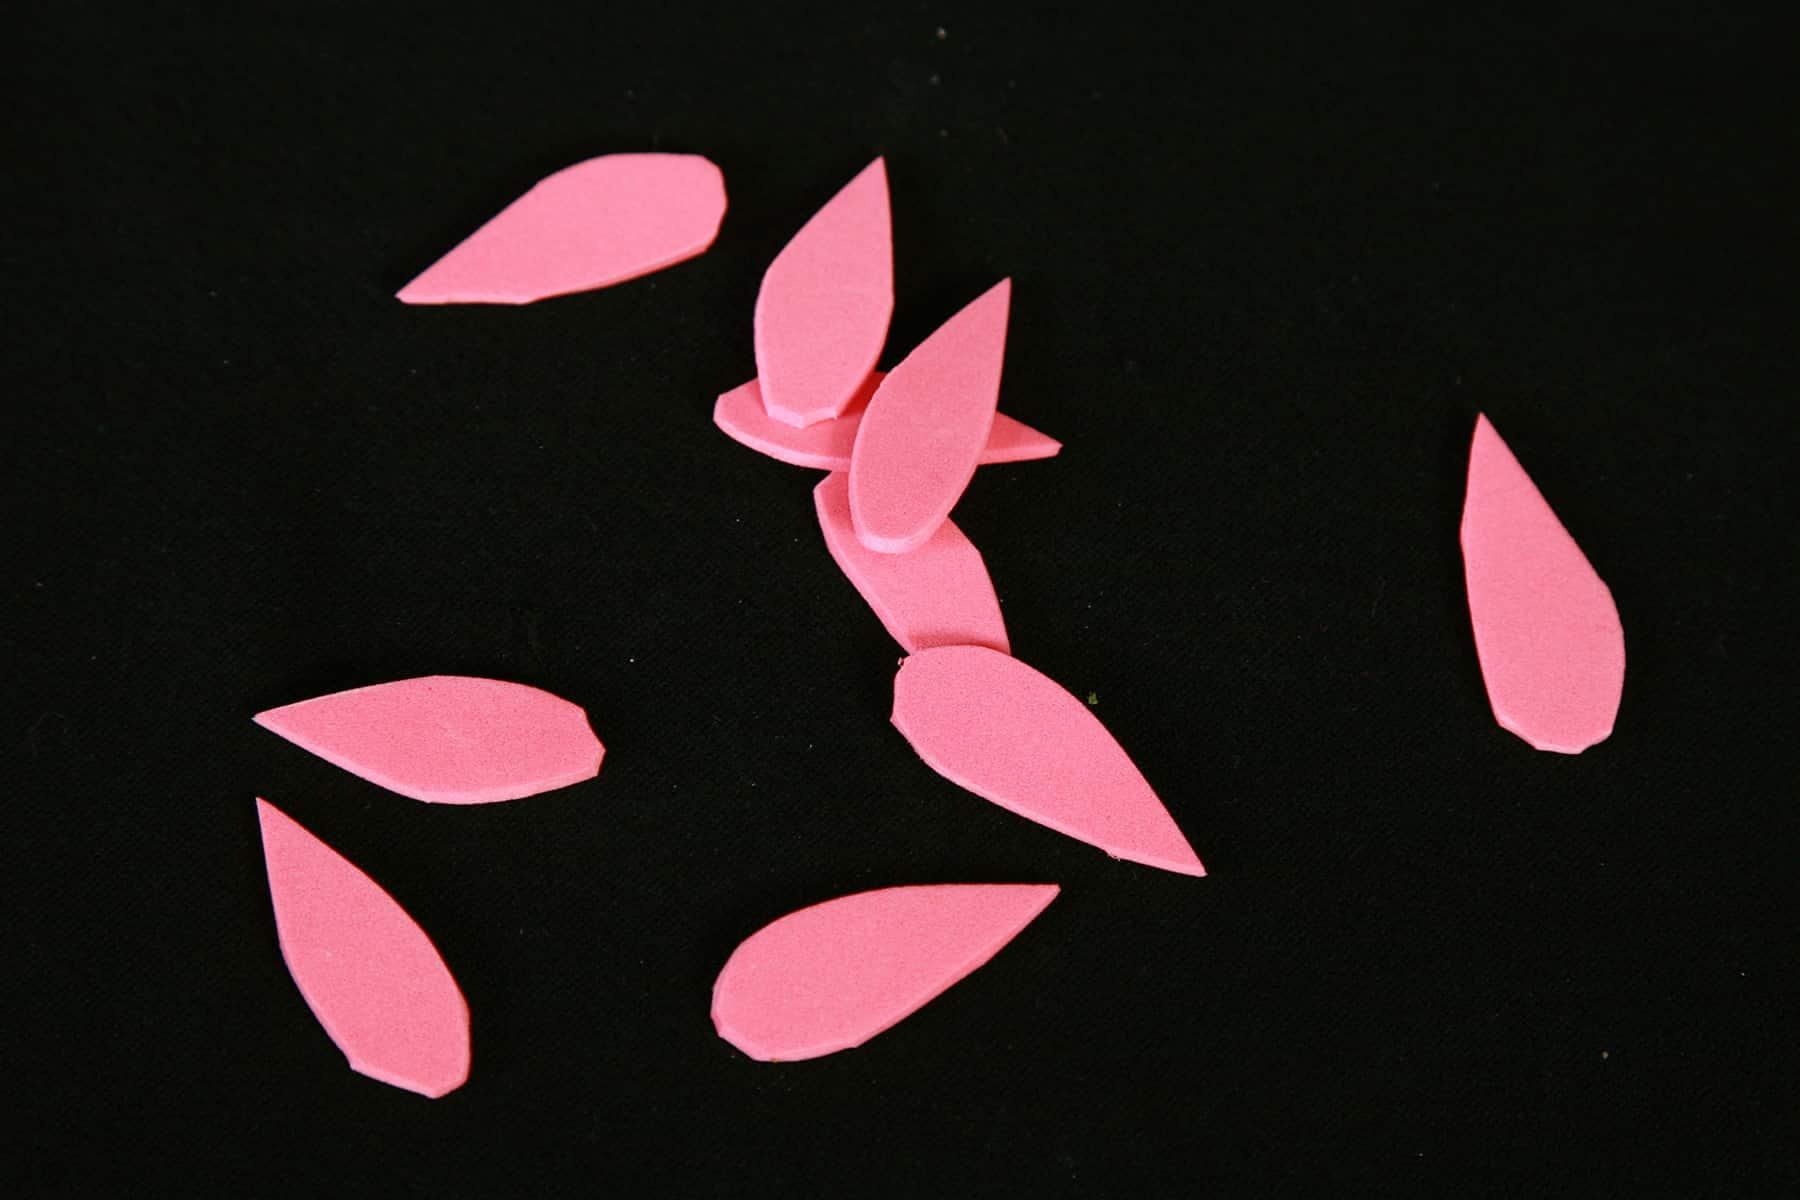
(447, 739)
(365, 968)
(1546, 630)
(827, 444)
(923, 431)
(991, 724)
(937, 595)
(594, 224)
(832, 976)
(822, 312)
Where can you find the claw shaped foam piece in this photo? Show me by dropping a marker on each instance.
(991, 724)
(832, 976)
(1546, 630)
(365, 968)
(827, 444)
(822, 312)
(925, 426)
(446, 739)
(594, 224)
(937, 595)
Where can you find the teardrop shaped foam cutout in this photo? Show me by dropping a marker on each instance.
(993, 725)
(827, 444)
(1547, 632)
(937, 595)
(822, 311)
(446, 739)
(597, 223)
(832, 976)
(925, 427)
(365, 968)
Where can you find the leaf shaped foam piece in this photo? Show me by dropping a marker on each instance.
(446, 739)
(827, 444)
(991, 724)
(822, 311)
(1546, 630)
(594, 224)
(925, 426)
(937, 595)
(365, 968)
(832, 976)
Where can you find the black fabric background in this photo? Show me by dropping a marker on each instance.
(1268, 267)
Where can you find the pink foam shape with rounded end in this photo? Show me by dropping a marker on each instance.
(1547, 631)
(594, 224)
(924, 429)
(822, 311)
(937, 595)
(447, 739)
(827, 444)
(832, 976)
(365, 968)
(993, 725)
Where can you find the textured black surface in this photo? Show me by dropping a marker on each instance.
(1267, 271)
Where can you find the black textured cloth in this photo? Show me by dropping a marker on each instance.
(1268, 265)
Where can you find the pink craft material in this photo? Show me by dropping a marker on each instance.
(446, 739)
(827, 444)
(991, 724)
(925, 427)
(832, 976)
(1546, 630)
(597, 223)
(822, 312)
(366, 969)
(937, 595)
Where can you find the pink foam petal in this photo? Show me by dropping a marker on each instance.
(822, 313)
(1012, 441)
(827, 444)
(447, 739)
(596, 223)
(937, 595)
(925, 427)
(991, 724)
(366, 969)
(833, 976)
(1546, 629)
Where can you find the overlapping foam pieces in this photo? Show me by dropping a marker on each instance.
(832, 976)
(447, 739)
(827, 444)
(993, 725)
(936, 595)
(822, 312)
(366, 969)
(1547, 632)
(925, 426)
(597, 223)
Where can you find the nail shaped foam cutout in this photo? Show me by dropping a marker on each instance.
(925, 427)
(993, 725)
(365, 968)
(447, 739)
(827, 444)
(937, 595)
(822, 311)
(832, 976)
(1546, 630)
(597, 223)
